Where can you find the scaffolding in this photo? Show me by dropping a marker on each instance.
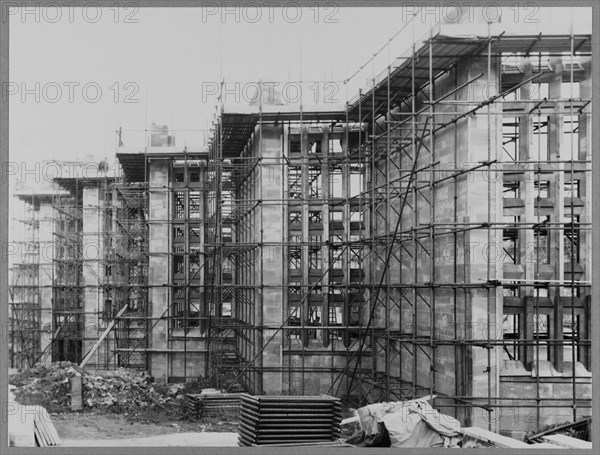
(435, 234)
(432, 237)
(126, 271)
(173, 248)
(28, 276)
(107, 310)
(67, 287)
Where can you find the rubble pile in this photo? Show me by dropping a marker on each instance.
(45, 385)
(128, 390)
(119, 390)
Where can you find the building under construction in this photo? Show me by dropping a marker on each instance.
(432, 236)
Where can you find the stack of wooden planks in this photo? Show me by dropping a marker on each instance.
(269, 420)
(220, 405)
(45, 433)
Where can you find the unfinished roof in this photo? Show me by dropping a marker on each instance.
(445, 52)
(74, 184)
(239, 123)
(134, 164)
(35, 198)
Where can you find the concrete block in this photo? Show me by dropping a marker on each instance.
(563, 391)
(510, 389)
(583, 391)
(528, 390)
(76, 393)
(546, 390)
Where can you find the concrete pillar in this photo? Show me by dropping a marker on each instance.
(585, 185)
(483, 205)
(586, 247)
(325, 234)
(159, 265)
(76, 392)
(272, 212)
(346, 182)
(527, 152)
(46, 241)
(92, 271)
(556, 193)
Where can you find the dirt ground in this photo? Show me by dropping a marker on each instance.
(95, 430)
(167, 440)
(143, 415)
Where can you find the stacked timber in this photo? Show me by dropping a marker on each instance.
(193, 405)
(224, 406)
(45, 433)
(220, 405)
(270, 420)
(30, 426)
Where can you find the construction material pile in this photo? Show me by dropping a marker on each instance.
(44, 431)
(126, 390)
(213, 403)
(120, 390)
(30, 426)
(267, 420)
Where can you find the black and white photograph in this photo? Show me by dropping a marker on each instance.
(289, 227)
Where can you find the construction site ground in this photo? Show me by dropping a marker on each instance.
(104, 430)
(120, 408)
(125, 408)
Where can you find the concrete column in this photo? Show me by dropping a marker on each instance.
(273, 310)
(304, 282)
(586, 247)
(585, 184)
(159, 265)
(46, 241)
(484, 204)
(325, 235)
(527, 152)
(556, 193)
(92, 271)
(347, 311)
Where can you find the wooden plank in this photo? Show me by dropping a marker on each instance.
(39, 424)
(567, 442)
(545, 445)
(350, 420)
(38, 439)
(497, 439)
(44, 426)
(104, 334)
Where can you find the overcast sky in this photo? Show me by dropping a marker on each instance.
(163, 65)
(170, 57)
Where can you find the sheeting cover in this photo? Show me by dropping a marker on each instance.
(409, 424)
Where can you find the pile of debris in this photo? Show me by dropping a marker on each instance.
(120, 390)
(46, 385)
(126, 390)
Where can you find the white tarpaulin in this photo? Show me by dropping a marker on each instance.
(410, 423)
